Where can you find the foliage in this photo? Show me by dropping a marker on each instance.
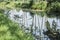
(15, 4)
(18, 5)
(52, 33)
(11, 31)
(4, 5)
(48, 25)
(51, 28)
(42, 5)
(53, 10)
(27, 5)
(54, 25)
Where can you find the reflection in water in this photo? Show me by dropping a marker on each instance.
(25, 21)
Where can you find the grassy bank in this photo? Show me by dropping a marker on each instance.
(15, 4)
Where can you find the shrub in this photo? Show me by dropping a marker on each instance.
(11, 31)
(42, 5)
(54, 9)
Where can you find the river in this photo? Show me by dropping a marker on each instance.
(26, 21)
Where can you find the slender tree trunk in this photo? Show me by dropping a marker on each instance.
(57, 21)
(35, 25)
(22, 21)
(32, 24)
(41, 27)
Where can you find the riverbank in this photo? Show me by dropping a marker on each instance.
(15, 4)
